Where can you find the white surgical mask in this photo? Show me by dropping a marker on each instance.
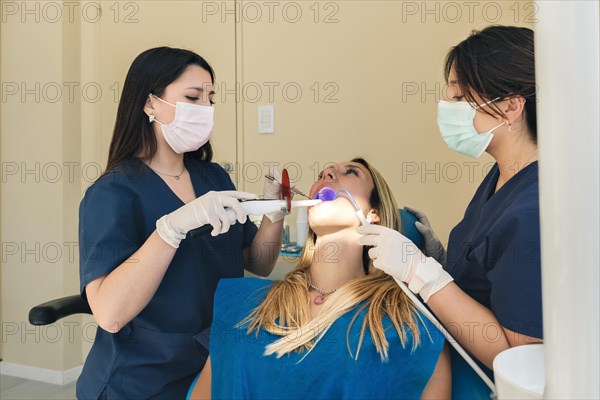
(190, 128)
(455, 121)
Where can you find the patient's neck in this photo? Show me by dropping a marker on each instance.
(337, 259)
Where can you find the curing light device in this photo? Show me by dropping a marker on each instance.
(258, 207)
(261, 207)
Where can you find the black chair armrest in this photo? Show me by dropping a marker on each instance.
(52, 311)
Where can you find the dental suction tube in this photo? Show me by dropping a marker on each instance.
(359, 213)
(328, 194)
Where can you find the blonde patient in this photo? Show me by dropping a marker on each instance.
(334, 327)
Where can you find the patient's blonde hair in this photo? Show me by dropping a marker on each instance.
(286, 308)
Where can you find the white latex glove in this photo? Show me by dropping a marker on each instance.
(397, 256)
(206, 209)
(432, 246)
(272, 191)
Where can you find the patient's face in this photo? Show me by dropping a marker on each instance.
(334, 215)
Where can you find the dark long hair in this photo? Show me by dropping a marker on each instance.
(151, 72)
(497, 62)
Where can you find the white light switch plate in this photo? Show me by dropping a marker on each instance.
(266, 119)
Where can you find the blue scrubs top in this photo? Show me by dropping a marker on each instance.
(494, 252)
(153, 356)
(329, 371)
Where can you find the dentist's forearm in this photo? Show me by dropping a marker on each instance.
(117, 298)
(262, 255)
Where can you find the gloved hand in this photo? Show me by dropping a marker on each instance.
(272, 191)
(432, 246)
(397, 256)
(206, 209)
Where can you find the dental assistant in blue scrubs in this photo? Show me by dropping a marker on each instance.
(486, 289)
(149, 284)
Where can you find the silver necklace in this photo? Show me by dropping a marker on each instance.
(172, 176)
(322, 293)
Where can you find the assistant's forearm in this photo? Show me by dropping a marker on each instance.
(122, 294)
(474, 326)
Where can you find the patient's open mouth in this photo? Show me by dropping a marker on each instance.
(325, 194)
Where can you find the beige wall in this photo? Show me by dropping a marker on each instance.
(38, 223)
(361, 66)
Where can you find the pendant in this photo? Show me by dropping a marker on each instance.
(319, 299)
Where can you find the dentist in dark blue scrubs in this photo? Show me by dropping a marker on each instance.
(486, 289)
(149, 285)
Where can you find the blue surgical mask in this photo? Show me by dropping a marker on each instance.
(455, 121)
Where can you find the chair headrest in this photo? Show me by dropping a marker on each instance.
(407, 222)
